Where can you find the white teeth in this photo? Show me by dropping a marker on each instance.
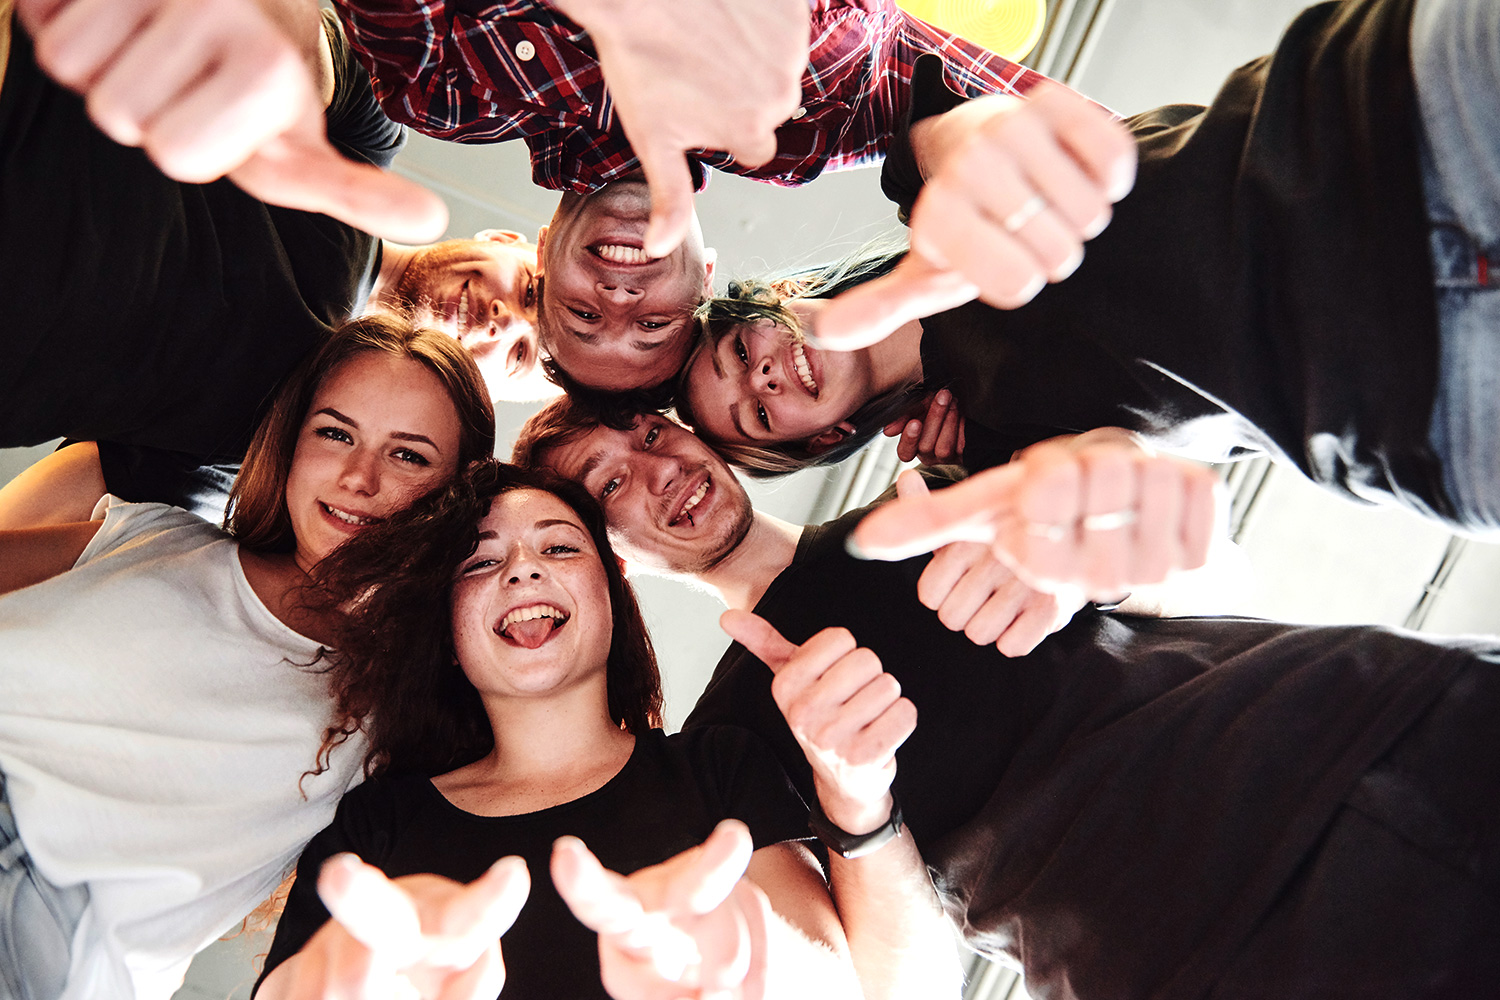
(692, 501)
(616, 254)
(463, 311)
(804, 370)
(533, 611)
(348, 518)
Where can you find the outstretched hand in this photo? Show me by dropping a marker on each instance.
(975, 593)
(846, 712)
(722, 77)
(1096, 511)
(1013, 190)
(421, 935)
(214, 88)
(689, 927)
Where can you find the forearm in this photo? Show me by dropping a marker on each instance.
(900, 939)
(796, 966)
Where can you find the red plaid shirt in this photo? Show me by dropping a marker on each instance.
(477, 71)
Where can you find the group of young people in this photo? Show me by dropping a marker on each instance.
(419, 676)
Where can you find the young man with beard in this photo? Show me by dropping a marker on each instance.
(155, 317)
(1138, 807)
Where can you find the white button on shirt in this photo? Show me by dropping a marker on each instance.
(798, 113)
(525, 50)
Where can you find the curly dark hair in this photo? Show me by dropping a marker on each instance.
(395, 674)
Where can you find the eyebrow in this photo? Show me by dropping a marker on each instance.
(734, 418)
(399, 435)
(544, 523)
(650, 345)
(594, 461)
(587, 338)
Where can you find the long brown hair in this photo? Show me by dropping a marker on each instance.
(395, 674)
(257, 515)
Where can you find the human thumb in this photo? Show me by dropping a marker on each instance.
(873, 311)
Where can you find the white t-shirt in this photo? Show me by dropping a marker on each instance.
(156, 726)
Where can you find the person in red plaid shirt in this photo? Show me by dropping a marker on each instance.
(616, 295)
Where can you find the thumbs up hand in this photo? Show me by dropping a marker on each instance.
(1013, 190)
(846, 712)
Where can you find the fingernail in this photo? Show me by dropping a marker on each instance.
(1098, 225)
(855, 549)
(944, 397)
(913, 428)
(1029, 291)
(1122, 178)
(1068, 266)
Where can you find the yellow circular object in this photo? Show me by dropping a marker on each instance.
(1009, 28)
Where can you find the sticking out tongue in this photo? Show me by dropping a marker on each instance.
(531, 633)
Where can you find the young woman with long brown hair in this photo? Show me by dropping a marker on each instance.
(166, 745)
(512, 699)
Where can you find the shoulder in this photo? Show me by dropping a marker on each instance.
(132, 525)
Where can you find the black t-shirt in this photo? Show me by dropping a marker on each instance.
(667, 798)
(152, 313)
(1266, 285)
(1119, 807)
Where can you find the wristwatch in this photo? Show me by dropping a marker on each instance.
(854, 845)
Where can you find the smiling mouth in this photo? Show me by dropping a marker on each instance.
(803, 368)
(462, 319)
(348, 517)
(619, 253)
(685, 512)
(532, 625)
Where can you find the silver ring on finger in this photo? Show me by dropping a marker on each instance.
(1049, 532)
(1109, 521)
(1028, 210)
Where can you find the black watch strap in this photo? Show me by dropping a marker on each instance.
(854, 845)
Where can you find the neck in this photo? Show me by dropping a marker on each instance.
(395, 258)
(897, 360)
(554, 742)
(742, 578)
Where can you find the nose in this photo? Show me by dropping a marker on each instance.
(662, 473)
(617, 291)
(765, 376)
(361, 472)
(524, 565)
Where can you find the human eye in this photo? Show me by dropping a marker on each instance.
(412, 457)
(740, 352)
(760, 414)
(584, 314)
(476, 565)
(653, 324)
(332, 433)
(609, 487)
(651, 435)
(560, 549)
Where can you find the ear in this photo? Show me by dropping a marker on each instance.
(823, 440)
(541, 248)
(500, 236)
(710, 258)
(624, 566)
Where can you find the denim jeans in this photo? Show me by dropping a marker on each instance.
(1456, 66)
(37, 920)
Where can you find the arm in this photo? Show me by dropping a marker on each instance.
(32, 555)
(848, 716)
(61, 488)
(219, 88)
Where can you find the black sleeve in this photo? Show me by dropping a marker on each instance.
(741, 776)
(363, 825)
(154, 475)
(899, 178)
(356, 124)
